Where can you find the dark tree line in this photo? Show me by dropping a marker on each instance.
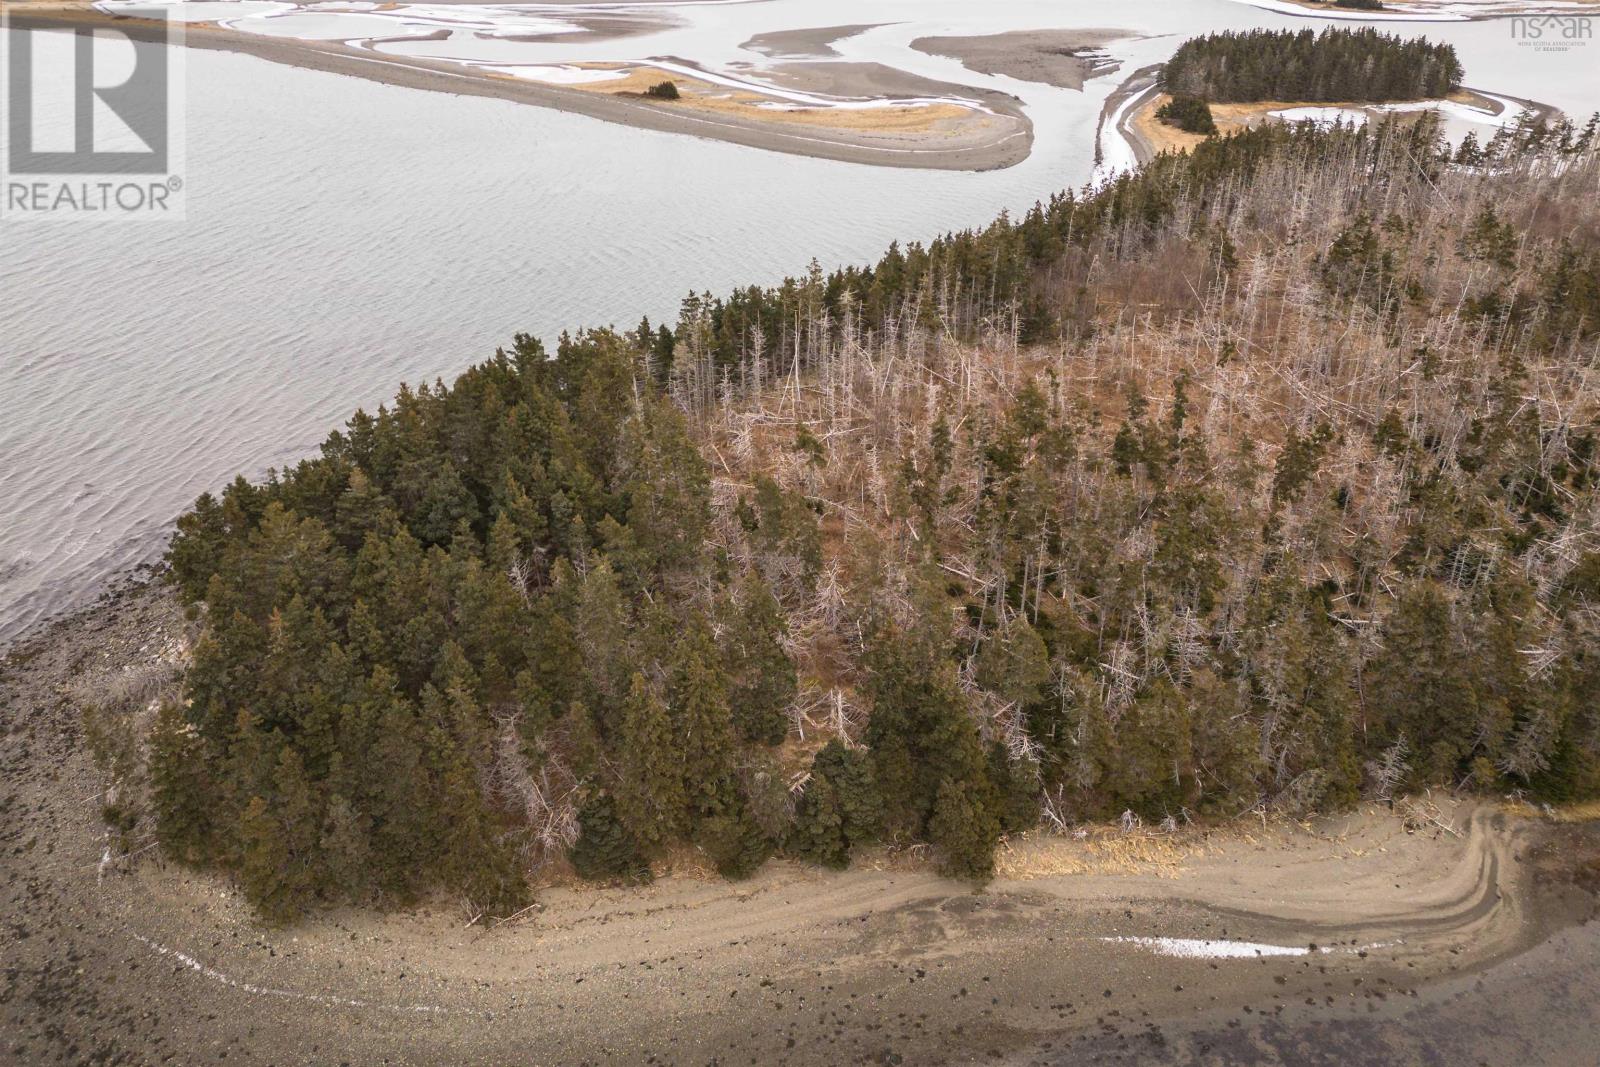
(1334, 65)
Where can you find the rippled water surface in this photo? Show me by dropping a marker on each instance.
(344, 236)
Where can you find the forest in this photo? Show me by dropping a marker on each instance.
(1346, 65)
(1262, 478)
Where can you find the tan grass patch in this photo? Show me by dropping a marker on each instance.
(1102, 852)
(1157, 134)
(703, 96)
(1575, 813)
(1231, 118)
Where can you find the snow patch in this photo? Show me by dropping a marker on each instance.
(561, 75)
(1197, 949)
(248, 987)
(1201, 949)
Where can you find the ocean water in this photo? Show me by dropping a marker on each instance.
(343, 237)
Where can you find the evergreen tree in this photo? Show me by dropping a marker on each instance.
(734, 841)
(839, 809)
(277, 870)
(920, 733)
(784, 535)
(699, 705)
(1188, 113)
(850, 773)
(818, 835)
(964, 832)
(181, 791)
(265, 866)
(1418, 686)
(763, 678)
(601, 629)
(1014, 663)
(1016, 790)
(650, 795)
(346, 849)
(606, 850)
(475, 861)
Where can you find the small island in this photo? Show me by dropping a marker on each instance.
(1226, 82)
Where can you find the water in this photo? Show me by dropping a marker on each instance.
(344, 236)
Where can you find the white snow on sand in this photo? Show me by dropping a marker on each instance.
(561, 75)
(1407, 15)
(1116, 151)
(199, 10)
(1322, 116)
(1201, 949)
(1197, 949)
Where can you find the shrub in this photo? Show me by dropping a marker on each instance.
(663, 91)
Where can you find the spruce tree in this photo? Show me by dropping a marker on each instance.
(1419, 685)
(346, 851)
(818, 835)
(264, 865)
(650, 796)
(1013, 663)
(964, 832)
(733, 840)
(182, 793)
(849, 772)
(699, 705)
(1016, 789)
(278, 869)
(763, 677)
(475, 862)
(606, 849)
(920, 733)
(602, 625)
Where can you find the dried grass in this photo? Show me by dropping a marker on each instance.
(1101, 851)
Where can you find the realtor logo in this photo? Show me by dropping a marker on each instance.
(1552, 33)
(93, 118)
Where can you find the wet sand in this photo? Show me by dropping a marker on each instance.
(954, 138)
(1125, 100)
(1419, 935)
(812, 42)
(1429, 10)
(1064, 58)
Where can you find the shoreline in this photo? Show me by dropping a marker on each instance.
(1001, 138)
(1129, 117)
(1065, 59)
(1362, 929)
(1430, 10)
(1123, 150)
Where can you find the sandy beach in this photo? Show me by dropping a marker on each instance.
(989, 132)
(1368, 935)
(814, 42)
(1149, 136)
(1428, 10)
